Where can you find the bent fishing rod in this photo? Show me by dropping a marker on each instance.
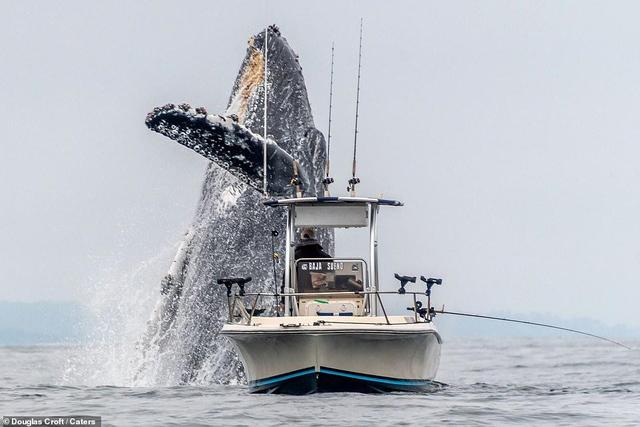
(428, 312)
(526, 322)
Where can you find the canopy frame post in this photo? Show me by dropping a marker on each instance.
(289, 237)
(373, 254)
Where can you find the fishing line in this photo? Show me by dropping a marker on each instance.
(526, 322)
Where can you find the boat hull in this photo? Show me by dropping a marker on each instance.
(338, 357)
(326, 380)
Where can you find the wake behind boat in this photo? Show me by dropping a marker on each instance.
(331, 331)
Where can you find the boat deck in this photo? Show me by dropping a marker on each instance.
(332, 324)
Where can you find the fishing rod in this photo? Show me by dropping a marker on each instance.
(354, 180)
(526, 322)
(328, 180)
(264, 151)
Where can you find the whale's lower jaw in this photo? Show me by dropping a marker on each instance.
(230, 145)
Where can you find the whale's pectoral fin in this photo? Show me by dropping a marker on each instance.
(230, 145)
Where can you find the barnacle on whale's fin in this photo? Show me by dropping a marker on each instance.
(229, 144)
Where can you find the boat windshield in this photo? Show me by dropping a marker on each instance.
(329, 275)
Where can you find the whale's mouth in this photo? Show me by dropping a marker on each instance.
(250, 81)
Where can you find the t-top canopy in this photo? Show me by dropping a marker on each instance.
(331, 212)
(331, 200)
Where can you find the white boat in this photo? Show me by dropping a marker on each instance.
(331, 331)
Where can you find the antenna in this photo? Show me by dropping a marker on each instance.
(328, 180)
(264, 151)
(354, 180)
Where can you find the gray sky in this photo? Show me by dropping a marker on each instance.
(510, 129)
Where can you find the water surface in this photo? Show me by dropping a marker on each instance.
(493, 381)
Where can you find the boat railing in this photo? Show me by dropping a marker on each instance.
(238, 309)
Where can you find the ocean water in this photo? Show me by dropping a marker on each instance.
(552, 381)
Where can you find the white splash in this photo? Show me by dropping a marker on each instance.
(119, 306)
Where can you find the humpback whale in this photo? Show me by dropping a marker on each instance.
(231, 223)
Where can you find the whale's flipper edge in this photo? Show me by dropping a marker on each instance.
(230, 145)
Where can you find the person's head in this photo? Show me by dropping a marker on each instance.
(307, 233)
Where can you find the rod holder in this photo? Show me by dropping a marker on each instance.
(230, 281)
(403, 282)
(430, 282)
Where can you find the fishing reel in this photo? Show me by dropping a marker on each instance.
(325, 185)
(352, 185)
(275, 255)
(421, 311)
(229, 282)
(403, 282)
(296, 182)
(428, 312)
(327, 180)
(424, 312)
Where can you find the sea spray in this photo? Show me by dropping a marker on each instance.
(117, 306)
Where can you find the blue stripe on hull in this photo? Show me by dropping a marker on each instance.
(303, 381)
(307, 381)
(281, 378)
(373, 379)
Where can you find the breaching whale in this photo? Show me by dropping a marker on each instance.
(231, 223)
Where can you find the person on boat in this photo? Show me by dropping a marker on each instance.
(309, 247)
